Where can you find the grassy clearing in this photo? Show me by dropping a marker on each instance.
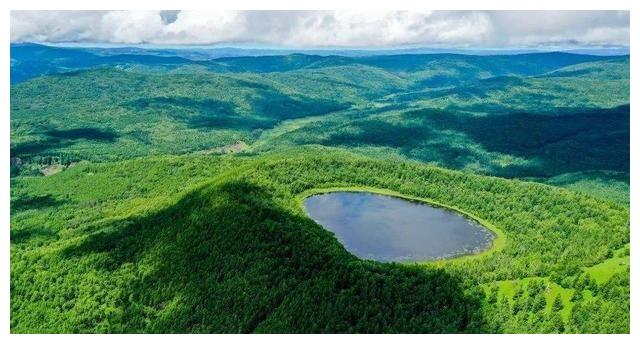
(620, 263)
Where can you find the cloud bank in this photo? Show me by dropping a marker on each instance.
(317, 29)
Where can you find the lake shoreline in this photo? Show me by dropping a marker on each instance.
(496, 245)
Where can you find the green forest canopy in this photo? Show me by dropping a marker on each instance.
(170, 197)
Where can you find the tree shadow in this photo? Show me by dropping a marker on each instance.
(278, 106)
(195, 105)
(200, 114)
(268, 107)
(18, 236)
(465, 90)
(231, 258)
(22, 203)
(87, 133)
(563, 140)
(380, 132)
(55, 139)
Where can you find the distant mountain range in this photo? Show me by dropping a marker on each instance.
(211, 52)
(30, 60)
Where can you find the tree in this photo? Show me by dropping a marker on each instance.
(557, 304)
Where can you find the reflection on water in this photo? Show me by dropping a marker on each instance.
(386, 228)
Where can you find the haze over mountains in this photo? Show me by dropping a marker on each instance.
(69, 56)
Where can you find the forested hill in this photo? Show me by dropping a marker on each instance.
(221, 244)
(112, 104)
(29, 60)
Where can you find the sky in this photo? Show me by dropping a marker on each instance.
(328, 29)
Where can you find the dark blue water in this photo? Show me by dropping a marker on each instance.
(391, 229)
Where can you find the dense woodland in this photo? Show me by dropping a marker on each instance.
(161, 194)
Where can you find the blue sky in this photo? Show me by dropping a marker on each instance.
(328, 29)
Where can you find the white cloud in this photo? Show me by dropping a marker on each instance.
(544, 27)
(130, 27)
(54, 26)
(326, 28)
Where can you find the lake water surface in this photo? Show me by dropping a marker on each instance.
(391, 229)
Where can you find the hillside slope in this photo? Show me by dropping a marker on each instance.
(236, 253)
